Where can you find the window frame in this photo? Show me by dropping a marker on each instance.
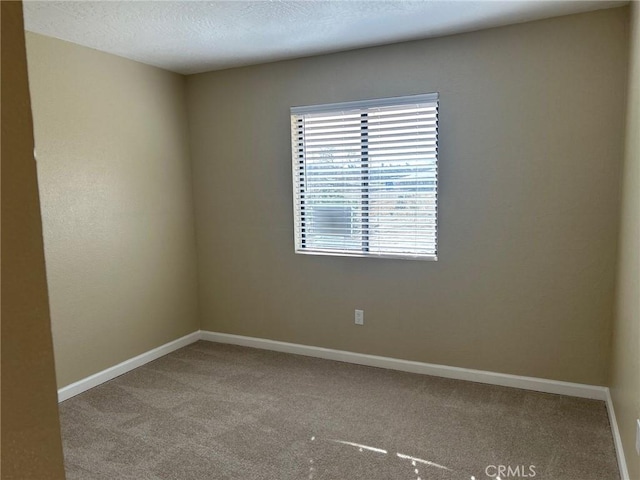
(298, 166)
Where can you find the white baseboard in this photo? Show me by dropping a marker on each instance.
(105, 375)
(622, 463)
(458, 373)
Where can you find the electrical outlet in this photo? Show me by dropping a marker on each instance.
(638, 436)
(359, 317)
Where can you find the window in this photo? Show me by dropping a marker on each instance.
(365, 177)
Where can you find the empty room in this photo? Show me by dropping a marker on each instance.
(321, 240)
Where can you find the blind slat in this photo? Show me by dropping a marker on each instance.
(311, 119)
(405, 138)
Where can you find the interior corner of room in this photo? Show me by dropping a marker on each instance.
(166, 212)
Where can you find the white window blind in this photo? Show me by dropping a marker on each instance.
(365, 177)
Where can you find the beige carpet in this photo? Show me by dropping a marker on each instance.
(212, 411)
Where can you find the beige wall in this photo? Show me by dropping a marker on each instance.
(115, 181)
(625, 372)
(532, 125)
(31, 447)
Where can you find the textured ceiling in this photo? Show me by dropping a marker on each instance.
(197, 36)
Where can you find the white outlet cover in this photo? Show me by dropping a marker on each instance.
(638, 436)
(359, 317)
